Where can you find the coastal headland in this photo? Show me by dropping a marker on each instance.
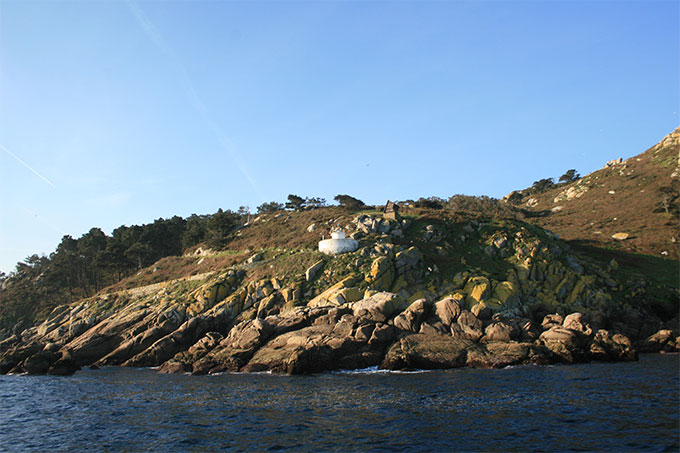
(470, 282)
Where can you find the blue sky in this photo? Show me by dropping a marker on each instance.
(123, 112)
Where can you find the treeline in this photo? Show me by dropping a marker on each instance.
(480, 205)
(298, 203)
(543, 185)
(80, 267)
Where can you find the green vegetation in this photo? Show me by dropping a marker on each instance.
(297, 203)
(349, 202)
(269, 207)
(569, 176)
(543, 185)
(80, 268)
(454, 235)
(668, 196)
(646, 280)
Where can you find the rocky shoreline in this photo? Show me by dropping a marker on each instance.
(387, 304)
(380, 330)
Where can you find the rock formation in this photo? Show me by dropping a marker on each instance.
(386, 304)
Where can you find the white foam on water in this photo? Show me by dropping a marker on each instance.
(376, 370)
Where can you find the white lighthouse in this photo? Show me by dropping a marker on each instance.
(338, 243)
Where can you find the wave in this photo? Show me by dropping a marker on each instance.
(376, 370)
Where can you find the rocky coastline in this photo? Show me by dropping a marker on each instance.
(381, 330)
(386, 304)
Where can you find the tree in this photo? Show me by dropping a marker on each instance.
(219, 225)
(271, 206)
(128, 235)
(514, 197)
(349, 202)
(139, 252)
(668, 196)
(295, 203)
(69, 263)
(244, 212)
(542, 185)
(118, 261)
(431, 203)
(314, 203)
(194, 230)
(89, 246)
(569, 176)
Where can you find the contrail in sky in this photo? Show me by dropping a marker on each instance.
(27, 166)
(154, 35)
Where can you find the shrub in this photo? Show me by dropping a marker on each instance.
(349, 202)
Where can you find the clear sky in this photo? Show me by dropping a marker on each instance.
(123, 112)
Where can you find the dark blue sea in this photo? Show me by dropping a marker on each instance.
(614, 407)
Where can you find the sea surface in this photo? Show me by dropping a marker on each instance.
(596, 406)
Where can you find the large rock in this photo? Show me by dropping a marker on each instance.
(381, 274)
(528, 330)
(382, 333)
(664, 340)
(55, 319)
(106, 336)
(477, 289)
(410, 319)
(336, 339)
(337, 294)
(185, 361)
(234, 351)
(249, 334)
(407, 259)
(609, 347)
(313, 270)
(577, 321)
(65, 365)
(12, 358)
(470, 326)
(418, 351)
(134, 346)
(298, 318)
(40, 362)
(499, 354)
(552, 320)
(501, 331)
(505, 291)
(160, 351)
(482, 311)
(9, 342)
(268, 306)
(378, 308)
(570, 346)
(297, 352)
(447, 311)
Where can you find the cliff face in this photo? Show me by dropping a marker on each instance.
(426, 291)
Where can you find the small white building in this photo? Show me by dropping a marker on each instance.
(338, 243)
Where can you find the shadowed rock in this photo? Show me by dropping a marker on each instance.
(418, 351)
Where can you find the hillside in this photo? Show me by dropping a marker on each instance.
(433, 289)
(623, 197)
(468, 281)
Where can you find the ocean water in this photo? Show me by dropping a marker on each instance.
(614, 407)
